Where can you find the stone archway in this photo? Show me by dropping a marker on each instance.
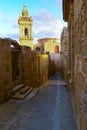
(37, 49)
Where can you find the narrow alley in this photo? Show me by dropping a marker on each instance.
(50, 109)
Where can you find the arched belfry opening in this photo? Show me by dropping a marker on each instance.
(26, 32)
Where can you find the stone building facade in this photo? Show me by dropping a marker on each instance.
(75, 14)
(20, 65)
(64, 40)
(51, 45)
(64, 53)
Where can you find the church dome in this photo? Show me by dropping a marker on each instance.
(24, 11)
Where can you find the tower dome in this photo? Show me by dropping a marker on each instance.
(24, 11)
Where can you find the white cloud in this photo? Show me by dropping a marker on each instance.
(47, 25)
(9, 28)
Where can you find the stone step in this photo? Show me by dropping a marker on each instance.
(33, 93)
(24, 90)
(17, 88)
(22, 94)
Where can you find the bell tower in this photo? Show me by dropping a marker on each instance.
(25, 28)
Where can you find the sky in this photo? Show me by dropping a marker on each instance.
(47, 18)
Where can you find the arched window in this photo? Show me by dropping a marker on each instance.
(26, 31)
(56, 49)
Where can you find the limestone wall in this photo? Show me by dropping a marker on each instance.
(50, 46)
(56, 59)
(34, 67)
(64, 62)
(44, 66)
(64, 53)
(77, 57)
(30, 67)
(5, 70)
(80, 61)
(18, 64)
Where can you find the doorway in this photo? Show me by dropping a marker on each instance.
(56, 49)
(16, 63)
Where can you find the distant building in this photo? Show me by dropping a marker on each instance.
(64, 40)
(52, 47)
(45, 45)
(25, 26)
(64, 53)
(49, 45)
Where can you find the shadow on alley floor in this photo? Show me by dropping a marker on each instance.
(50, 109)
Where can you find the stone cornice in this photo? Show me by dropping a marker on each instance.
(66, 8)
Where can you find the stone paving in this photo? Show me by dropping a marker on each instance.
(50, 109)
